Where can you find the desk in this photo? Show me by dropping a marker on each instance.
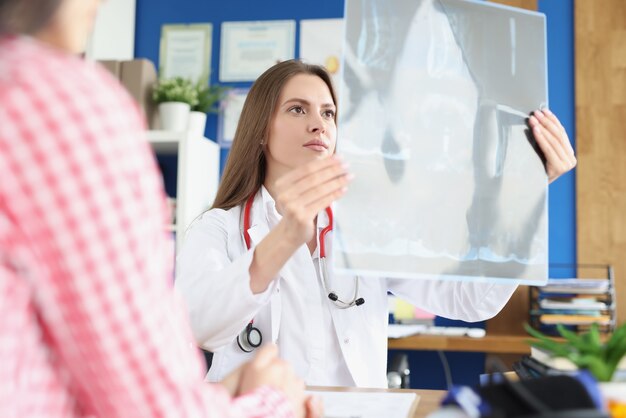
(427, 402)
(500, 344)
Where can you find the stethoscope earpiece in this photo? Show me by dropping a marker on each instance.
(356, 302)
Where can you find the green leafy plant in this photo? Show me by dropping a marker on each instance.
(209, 97)
(585, 350)
(175, 89)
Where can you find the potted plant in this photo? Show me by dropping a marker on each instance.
(175, 97)
(208, 98)
(588, 351)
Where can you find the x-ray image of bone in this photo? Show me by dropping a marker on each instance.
(508, 214)
(502, 245)
(377, 47)
(426, 140)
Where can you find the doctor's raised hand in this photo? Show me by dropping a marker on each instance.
(300, 195)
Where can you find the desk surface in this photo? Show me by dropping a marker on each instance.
(428, 400)
(511, 344)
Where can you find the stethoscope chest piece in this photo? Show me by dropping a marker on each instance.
(250, 338)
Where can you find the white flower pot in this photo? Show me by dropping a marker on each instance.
(197, 124)
(174, 116)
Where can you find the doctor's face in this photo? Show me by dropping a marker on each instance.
(303, 125)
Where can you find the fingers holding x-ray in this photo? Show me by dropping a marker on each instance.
(554, 142)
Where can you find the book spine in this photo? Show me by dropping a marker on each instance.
(522, 371)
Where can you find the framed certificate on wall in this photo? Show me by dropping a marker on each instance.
(229, 117)
(186, 51)
(249, 48)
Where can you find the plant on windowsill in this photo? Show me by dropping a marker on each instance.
(175, 97)
(208, 99)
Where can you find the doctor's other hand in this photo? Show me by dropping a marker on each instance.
(305, 191)
(267, 369)
(554, 142)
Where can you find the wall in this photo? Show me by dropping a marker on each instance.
(562, 203)
(152, 14)
(601, 112)
(113, 37)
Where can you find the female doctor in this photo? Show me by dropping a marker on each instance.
(249, 267)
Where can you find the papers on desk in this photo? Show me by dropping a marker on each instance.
(578, 286)
(585, 304)
(366, 404)
(554, 319)
(402, 330)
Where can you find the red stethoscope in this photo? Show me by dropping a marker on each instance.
(251, 331)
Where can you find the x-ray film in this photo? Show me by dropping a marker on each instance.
(449, 183)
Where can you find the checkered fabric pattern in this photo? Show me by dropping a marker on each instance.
(89, 324)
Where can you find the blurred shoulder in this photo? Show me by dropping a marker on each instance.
(65, 84)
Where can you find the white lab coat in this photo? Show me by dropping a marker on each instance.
(213, 278)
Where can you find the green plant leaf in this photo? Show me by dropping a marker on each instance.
(546, 343)
(588, 342)
(573, 338)
(535, 333)
(175, 89)
(617, 337)
(209, 97)
(616, 346)
(593, 336)
(602, 371)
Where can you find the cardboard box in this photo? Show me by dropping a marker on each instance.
(139, 76)
(113, 67)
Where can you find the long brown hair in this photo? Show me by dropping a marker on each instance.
(245, 168)
(26, 16)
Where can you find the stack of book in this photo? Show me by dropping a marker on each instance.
(542, 363)
(574, 302)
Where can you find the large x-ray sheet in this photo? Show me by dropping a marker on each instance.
(434, 98)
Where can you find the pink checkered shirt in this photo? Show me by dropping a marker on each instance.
(89, 325)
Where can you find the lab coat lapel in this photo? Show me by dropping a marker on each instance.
(346, 319)
(257, 232)
(259, 228)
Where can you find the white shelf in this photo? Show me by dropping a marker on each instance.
(197, 175)
(165, 141)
